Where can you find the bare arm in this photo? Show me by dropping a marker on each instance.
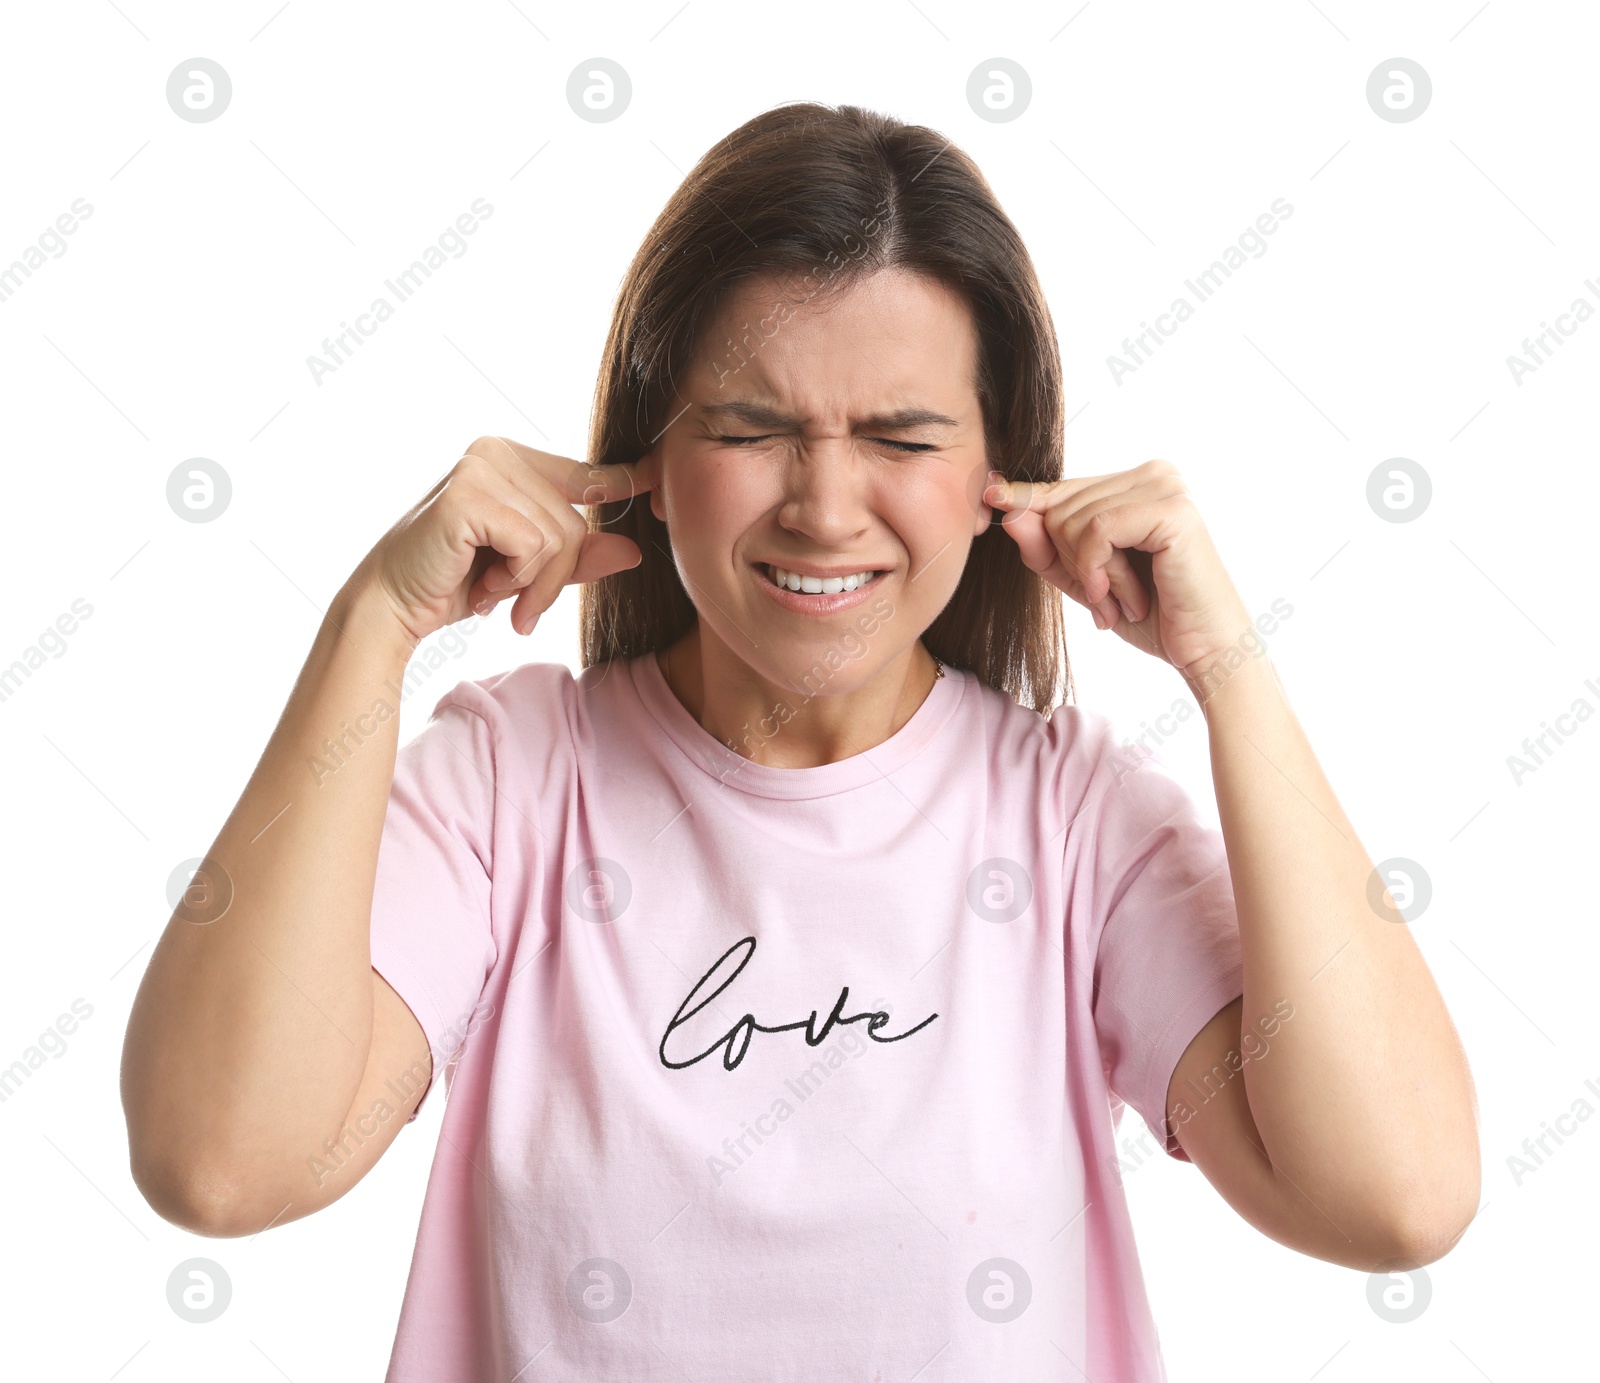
(261, 1038)
(1348, 1129)
(249, 1040)
(1355, 1137)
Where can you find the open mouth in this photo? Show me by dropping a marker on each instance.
(817, 585)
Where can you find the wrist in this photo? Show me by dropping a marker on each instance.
(1234, 667)
(363, 613)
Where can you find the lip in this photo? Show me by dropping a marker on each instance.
(802, 604)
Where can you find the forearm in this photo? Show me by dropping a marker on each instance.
(1364, 1103)
(251, 1028)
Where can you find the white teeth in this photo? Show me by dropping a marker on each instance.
(818, 585)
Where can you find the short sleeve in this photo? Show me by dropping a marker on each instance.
(432, 936)
(1168, 956)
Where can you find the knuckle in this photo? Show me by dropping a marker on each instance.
(524, 569)
(1097, 524)
(459, 492)
(469, 471)
(573, 526)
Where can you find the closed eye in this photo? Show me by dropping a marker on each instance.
(908, 447)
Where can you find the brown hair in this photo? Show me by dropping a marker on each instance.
(834, 194)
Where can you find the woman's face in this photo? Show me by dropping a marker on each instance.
(818, 443)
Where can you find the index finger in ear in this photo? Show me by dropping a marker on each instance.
(1013, 495)
(578, 483)
(617, 480)
(1034, 495)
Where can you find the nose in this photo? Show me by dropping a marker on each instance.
(825, 493)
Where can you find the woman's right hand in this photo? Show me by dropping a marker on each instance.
(502, 523)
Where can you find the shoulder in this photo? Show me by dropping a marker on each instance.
(1069, 739)
(507, 698)
(1074, 762)
(543, 708)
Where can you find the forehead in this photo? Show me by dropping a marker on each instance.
(890, 340)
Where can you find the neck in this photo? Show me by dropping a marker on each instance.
(803, 724)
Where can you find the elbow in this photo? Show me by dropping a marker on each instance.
(1429, 1220)
(196, 1204)
(1426, 1239)
(193, 1192)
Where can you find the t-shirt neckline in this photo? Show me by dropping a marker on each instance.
(709, 754)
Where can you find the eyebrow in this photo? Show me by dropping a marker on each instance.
(764, 415)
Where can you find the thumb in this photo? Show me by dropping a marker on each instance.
(604, 554)
(1022, 505)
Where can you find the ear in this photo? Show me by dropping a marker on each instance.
(648, 470)
(985, 514)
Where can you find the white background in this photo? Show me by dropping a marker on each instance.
(1419, 655)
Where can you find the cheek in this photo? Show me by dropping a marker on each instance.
(931, 507)
(715, 498)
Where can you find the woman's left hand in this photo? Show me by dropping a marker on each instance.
(1131, 548)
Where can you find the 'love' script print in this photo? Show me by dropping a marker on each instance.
(736, 1041)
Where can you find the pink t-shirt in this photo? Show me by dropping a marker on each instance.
(787, 1074)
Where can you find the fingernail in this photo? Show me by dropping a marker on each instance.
(483, 606)
(1099, 619)
(1127, 613)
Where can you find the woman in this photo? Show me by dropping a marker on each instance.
(791, 965)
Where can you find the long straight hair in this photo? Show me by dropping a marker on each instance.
(823, 195)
